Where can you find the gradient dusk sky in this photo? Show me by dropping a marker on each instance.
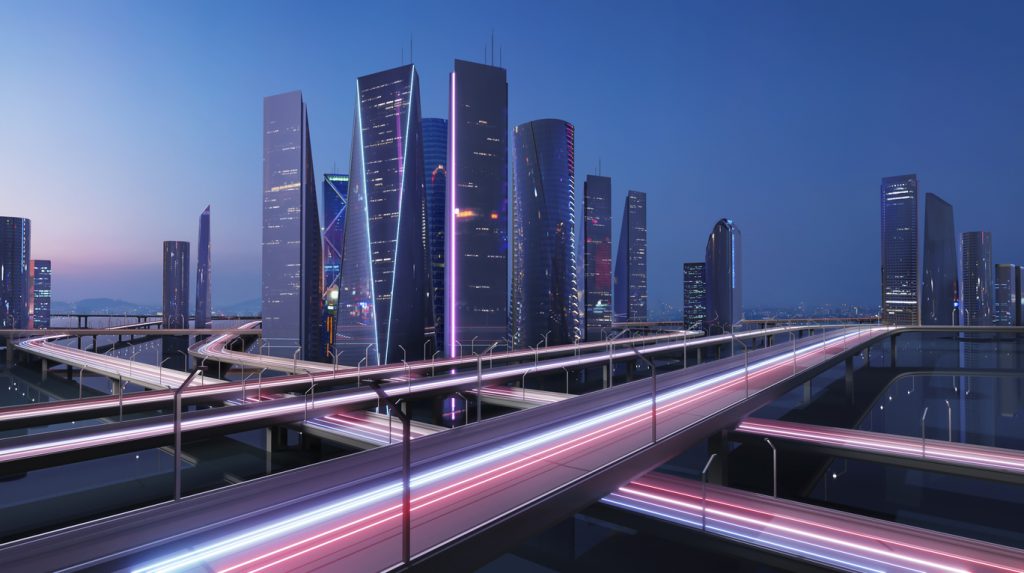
(123, 120)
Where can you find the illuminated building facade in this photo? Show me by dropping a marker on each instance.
(203, 290)
(723, 270)
(476, 271)
(545, 307)
(976, 305)
(900, 281)
(597, 255)
(630, 286)
(334, 190)
(694, 294)
(292, 278)
(40, 306)
(1004, 301)
(175, 296)
(385, 285)
(15, 286)
(435, 185)
(940, 291)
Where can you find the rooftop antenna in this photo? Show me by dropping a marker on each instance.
(499, 57)
(598, 165)
(410, 48)
(403, 56)
(492, 46)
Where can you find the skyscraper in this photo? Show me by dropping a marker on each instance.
(40, 305)
(175, 299)
(900, 281)
(203, 290)
(978, 278)
(597, 255)
(292, 275)
(630, 280)
(15, 288)
(435, 185)
(695, 292)
(724, 273)
(385, 294)
(545, 307)
(476, 272)
(940, 290)
(335, 197)
(1005, 304)
(1020, 301)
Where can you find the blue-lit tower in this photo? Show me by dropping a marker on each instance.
(435, 185)
(940, 292)
(630, 281)
(723, 271)
(597, 255)
(900, 282)
(203, 287)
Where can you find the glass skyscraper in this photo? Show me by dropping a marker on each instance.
(476, 265)
(597, 255)
(40, 306)
(15, 285)
(292, 276)
(545, 308)
(629, 290)
(175, 298)
(1005, 304)
(695, 294)
(203, 287)
(435, 184)
(385, 292)
(723, 275)
(900, 282)
(978, 278)
(940, 290)
(335, 198)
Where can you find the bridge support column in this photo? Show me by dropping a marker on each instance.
(849, 378)
(269, 449)
(10, 353)
(44, 367)
(630, 369)
(718, 472)
(807, 392)
(892, 351)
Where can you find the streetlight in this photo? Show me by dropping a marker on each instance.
(479, 381)
(949, 420)
(311, 392)
(161, 378)
(367, 353)
(546, 338)
(460, 348)
(746, 367)
(295, 359)
(131, 360)
(436, 352)
(472, 344)
(425, 343)
(522, 383)
(704, 493)
(775, 468)
(359, 367)
(654, 394)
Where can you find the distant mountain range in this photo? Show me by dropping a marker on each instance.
(117, 306)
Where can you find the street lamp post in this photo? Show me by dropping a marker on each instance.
(161, 374)
(479, 381)
(775, 468)
(654, 394)
(295, 359)
(177, 433)
(704, 493)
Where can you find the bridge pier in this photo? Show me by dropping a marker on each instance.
(892, 351)
(807, 392)
(10, 353)
(849, 378)
(718, 444)
(44, 367)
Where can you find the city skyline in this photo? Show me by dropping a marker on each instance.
(228, 176)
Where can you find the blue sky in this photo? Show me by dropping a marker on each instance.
(123, 120)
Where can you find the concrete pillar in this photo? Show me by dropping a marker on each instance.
(269, 448)
(892, 351)
(630, 369)
(44, 367)
(849, 378)
(10, 353)
(807, 392)
(718, 472)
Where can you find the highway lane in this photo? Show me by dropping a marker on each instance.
(822, 536)
(140, 373)
(158, 429)
(841, 440)
(16, 416)
(347, 514)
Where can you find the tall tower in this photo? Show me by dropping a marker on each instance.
(597, 255)
(292, 276)
(435, 185)
(40, 306)
(335, 198)
(545, 307)
(940, 291)
(630, 281)
(978, 278)
(476, 272)
(203, 288)
(385, 293)
(695, 292)
(900, 282)
(724, 273)
(15, 257)
(175, 298)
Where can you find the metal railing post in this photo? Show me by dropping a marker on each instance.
(923, 416)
